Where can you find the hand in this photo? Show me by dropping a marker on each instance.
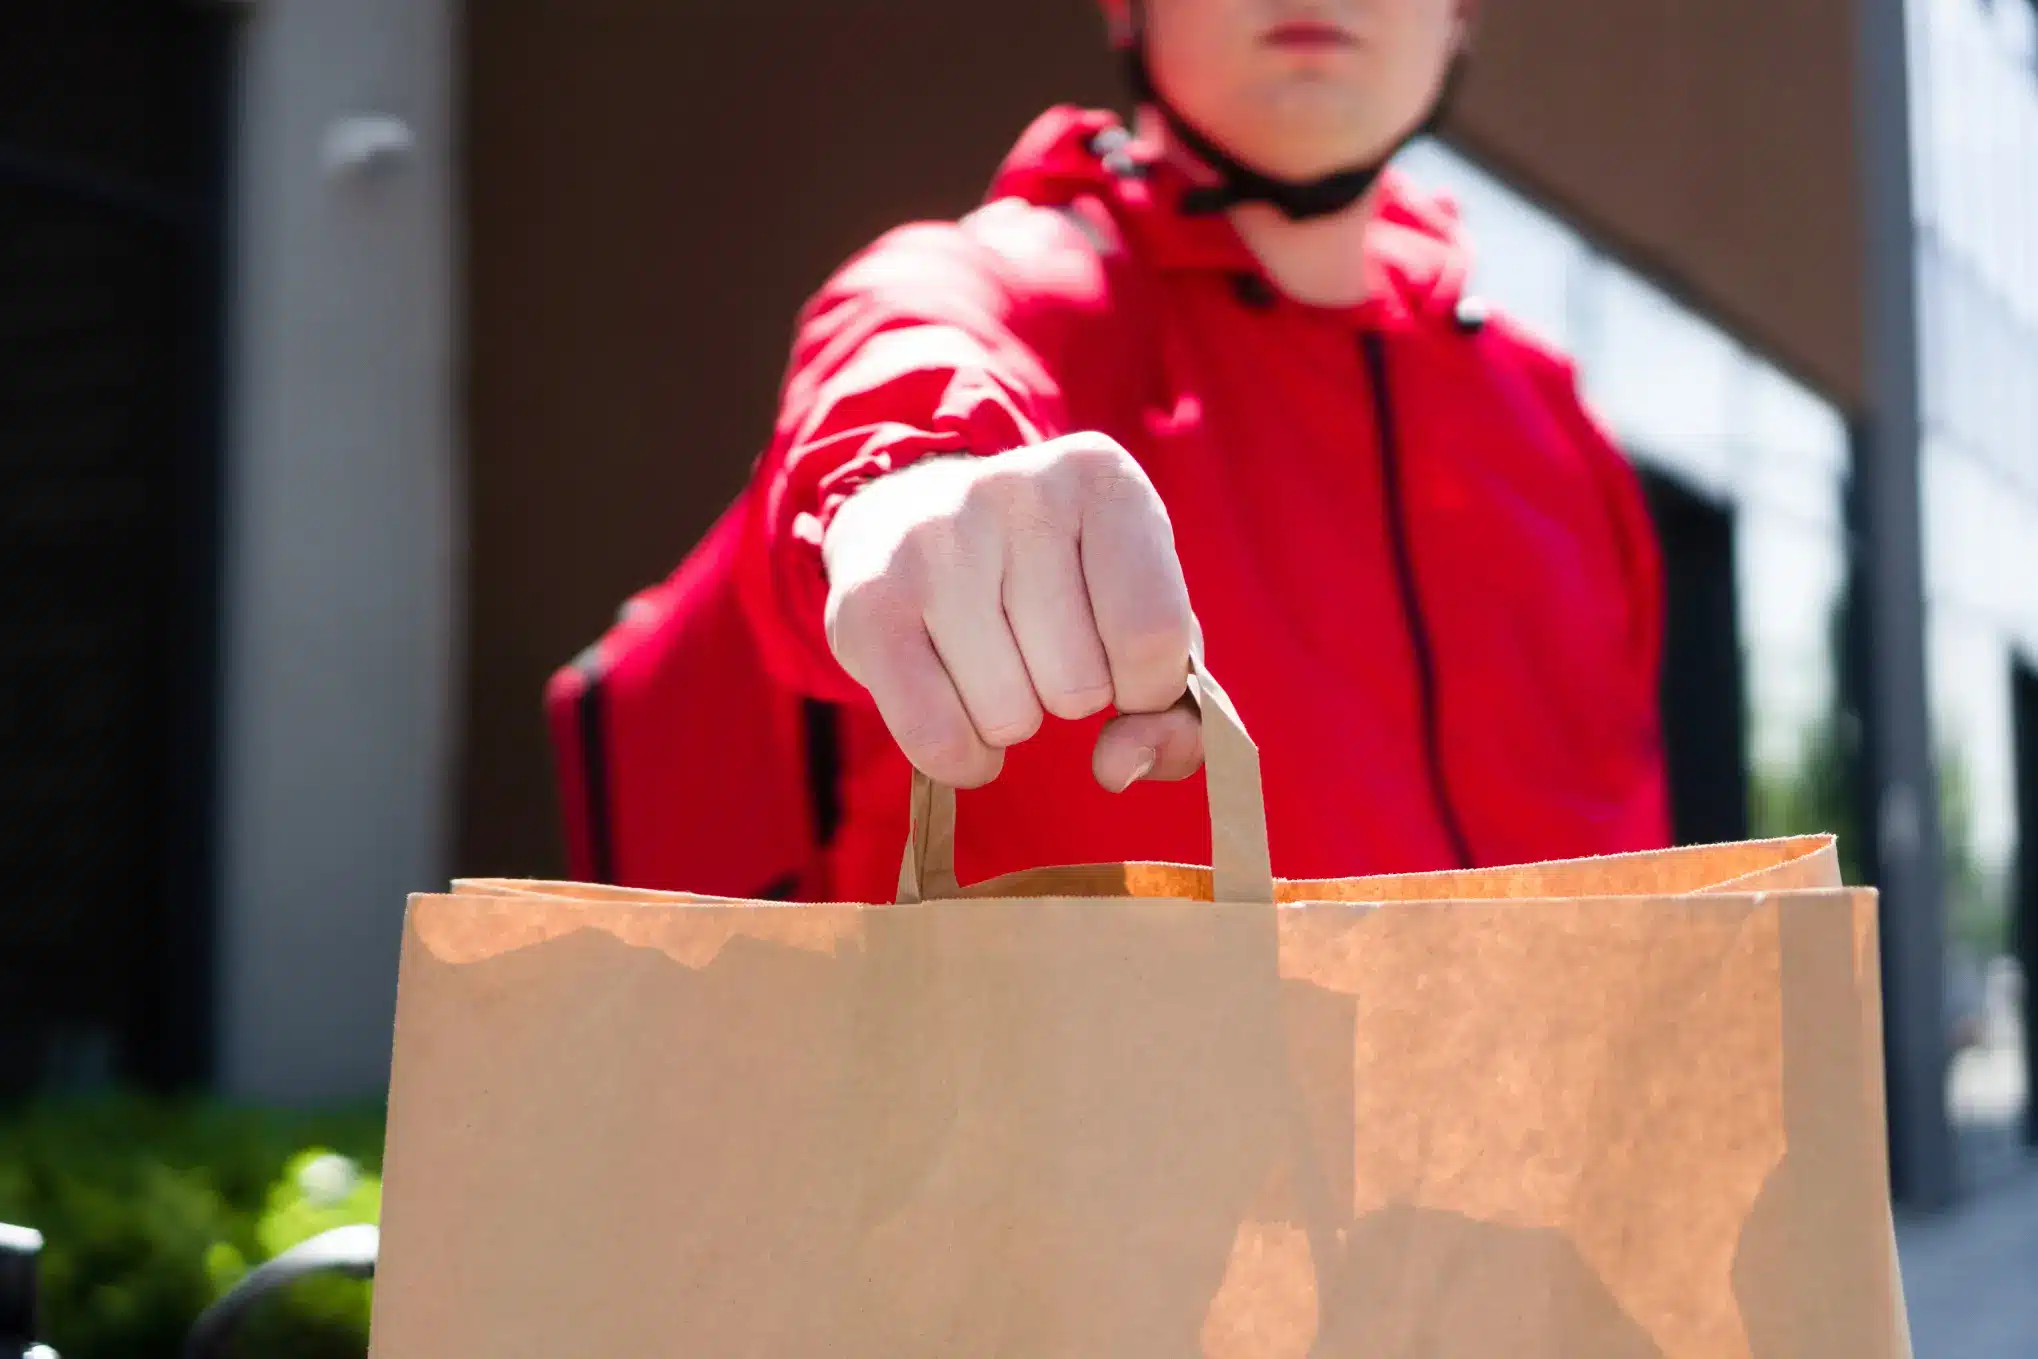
(974, 596)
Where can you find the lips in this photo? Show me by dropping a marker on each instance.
(1308, 36)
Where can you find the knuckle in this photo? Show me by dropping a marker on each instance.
(1090, 449)
(1014, 726)
(843, 624)
(1036, 507)
(926, 549)
(1030, 505)
(1151, 658)
(983, 519)
(1103, 468)
(873, 631)
(944, 748)
(1000, 491)
(958, 763)
(865, 611)
(1073, 703)
(1150, 645)
(1145, 609)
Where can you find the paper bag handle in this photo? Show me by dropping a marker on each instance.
(1241, 870)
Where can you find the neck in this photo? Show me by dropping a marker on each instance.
(1320, 263)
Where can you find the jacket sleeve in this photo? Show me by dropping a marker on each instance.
(919, 346)
(1633, 530)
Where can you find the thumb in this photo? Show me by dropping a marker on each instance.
(1161, 746)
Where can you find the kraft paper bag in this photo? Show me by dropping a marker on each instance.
(1618, 1107)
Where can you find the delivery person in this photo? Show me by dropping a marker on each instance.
(1213, 375)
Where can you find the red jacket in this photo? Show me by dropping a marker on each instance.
(1423, 572)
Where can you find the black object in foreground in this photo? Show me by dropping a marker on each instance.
(343, 1250)
(20, 1261)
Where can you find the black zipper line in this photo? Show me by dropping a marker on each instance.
(592, 713)
(1374, 347)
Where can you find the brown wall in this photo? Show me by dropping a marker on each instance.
(656, 184)
(1708, 142)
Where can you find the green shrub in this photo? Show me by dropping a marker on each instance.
(149, 1209)
(322, 1316)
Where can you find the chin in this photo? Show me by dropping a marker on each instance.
(1309, 132)
(1303, 153)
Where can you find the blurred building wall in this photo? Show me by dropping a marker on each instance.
(342, 533)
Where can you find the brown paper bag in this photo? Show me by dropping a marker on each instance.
(1619, 1107)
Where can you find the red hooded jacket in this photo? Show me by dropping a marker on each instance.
(1424, 573)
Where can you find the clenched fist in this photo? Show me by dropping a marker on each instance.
(975, 597)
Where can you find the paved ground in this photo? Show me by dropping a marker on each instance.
(1971, 1278)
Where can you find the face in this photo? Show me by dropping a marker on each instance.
(1301, 88)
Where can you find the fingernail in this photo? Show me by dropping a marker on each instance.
(1140, 769)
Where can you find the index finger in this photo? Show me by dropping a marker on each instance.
(926, 715)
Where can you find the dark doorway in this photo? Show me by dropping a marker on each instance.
(112, 117)
(1704, 707)
(2024, 907)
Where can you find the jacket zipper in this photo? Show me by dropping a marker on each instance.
(1374, 347)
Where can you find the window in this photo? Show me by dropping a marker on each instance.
(2016, 26)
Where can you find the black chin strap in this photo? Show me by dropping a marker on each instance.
(1237, 182)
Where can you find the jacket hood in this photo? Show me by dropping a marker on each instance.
(1415, 247)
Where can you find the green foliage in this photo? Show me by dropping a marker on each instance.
(1977, 901)
(1822, 793)
(1819, 795)
(150, 1209)
(319, 1317)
